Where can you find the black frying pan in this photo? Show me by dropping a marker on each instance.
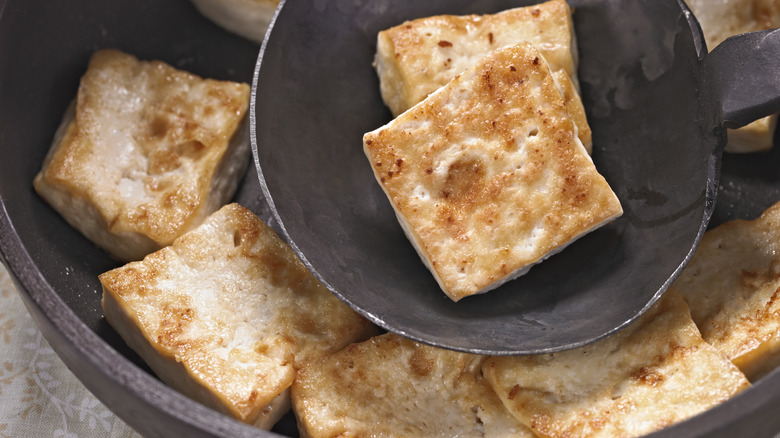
(44, 47)
(654, 104)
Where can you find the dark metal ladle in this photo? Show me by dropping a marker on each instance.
(658, 105)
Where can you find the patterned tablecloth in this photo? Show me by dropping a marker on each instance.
(39, 396)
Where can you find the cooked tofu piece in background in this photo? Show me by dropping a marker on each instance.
(732, 285)
(420, 56)
(656, 372)
(145, 153)
(487, 175)
(720, 19)
(227, 314)
(247, 18)
(390, 386)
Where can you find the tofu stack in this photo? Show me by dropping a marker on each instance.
(418, 57)
(227, 314)
(487, 175)
(732, 285)
(145, 153)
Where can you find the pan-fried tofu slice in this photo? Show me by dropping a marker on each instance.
(720, 19)
(145, 153)
(392, 387)
(420, 56)
(654, 373)
(732, 285)
(227, 314)
(487, 175)
(248, 18)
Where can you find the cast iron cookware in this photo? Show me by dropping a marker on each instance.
(44, 48)
(656, 105)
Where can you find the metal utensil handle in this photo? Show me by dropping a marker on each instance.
(744, 74)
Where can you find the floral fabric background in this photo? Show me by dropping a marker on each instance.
(39, 396)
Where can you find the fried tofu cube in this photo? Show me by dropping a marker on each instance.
(145, 153)
(732, 284)
(654, 373)
(390, 386)
(487, 175)
(420, 56)
(227, 314)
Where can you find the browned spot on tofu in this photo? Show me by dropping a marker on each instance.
(158, 128)
(161, 161)
(190, 149)
(513, 392)
(420, 363)
(464, 177)
(648, 377)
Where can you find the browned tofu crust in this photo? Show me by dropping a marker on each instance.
(732, 285)
(390, 386)
(227, 314)
(487, 175)
(652, 374)
(420, 56)
(146, 153)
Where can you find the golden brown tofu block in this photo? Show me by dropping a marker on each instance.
(652, 374)
(390, 386)
(420, 56)
(720, 19)
(227, 314)
(145, 153)
(731, 285)
(487, 175)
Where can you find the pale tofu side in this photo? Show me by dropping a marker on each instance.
(652, 374)
(226, 315)
(487, 175)
(720, 19)
(145, 153)
(420, 56)
(390, 386)
(732, 285)
(247, 18)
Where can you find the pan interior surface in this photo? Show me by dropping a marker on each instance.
(653, 141)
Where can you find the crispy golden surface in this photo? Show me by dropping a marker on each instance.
(146, 153)
(392, 387)
(732, 285)
(487, 175)
(420, 56)
(652, 374)
(227, 314)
